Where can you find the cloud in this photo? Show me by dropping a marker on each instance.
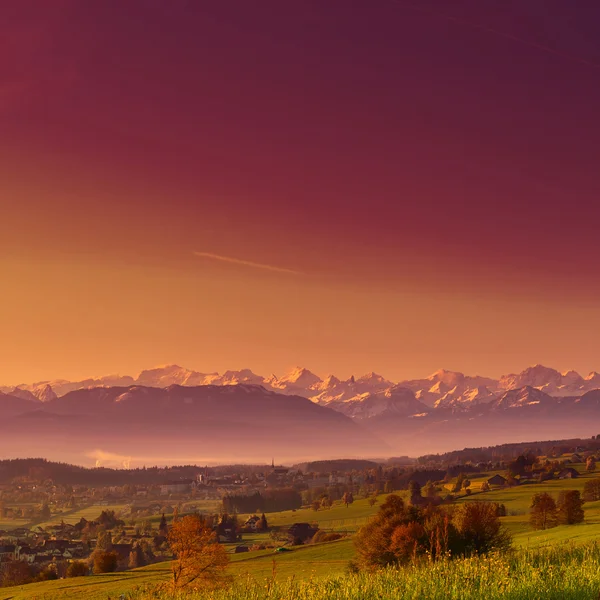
(247, 263)
(110, 459)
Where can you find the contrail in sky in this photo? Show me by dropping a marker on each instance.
(247, 263)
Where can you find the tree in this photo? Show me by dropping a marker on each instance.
(408, 541)
(326, 502)
(77, 569)
(590, 464)
(316, 505)
(372, 500)
(388, 488)
(137, 557)
(485, 486)
(15, 572)
(480, 528)
(466, 484)
(199, 558)
(264, 525)
(163, 528)
(347, 498)
(45, 511)
(104, 541)
(372, 541)
(570, 507)
(104, 562)
(430, 490)
(543, 514)
(459, 482)
(414, 490)
(591, 490)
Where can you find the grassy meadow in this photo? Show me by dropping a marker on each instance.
(563, 562)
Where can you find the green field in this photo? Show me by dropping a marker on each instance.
(74, 516)
(303, 562)
(322, 562)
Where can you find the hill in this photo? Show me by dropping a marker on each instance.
(205, 423)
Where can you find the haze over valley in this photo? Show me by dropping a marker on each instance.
(172, 414)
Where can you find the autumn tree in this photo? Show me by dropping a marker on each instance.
(590, 464)
(543, 513)
(326, 502)
(347, 498)
(591, 490)
(570, 507)
(136, 557)
(104, 541)
(480, 529)
(104, 562)
(373, 540)
(199, 558)
(408, 541)
(459, 482)
(77, 569)
(430, 490)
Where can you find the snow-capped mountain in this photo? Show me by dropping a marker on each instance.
(298, 381)
(549, 380)
(519, 398)
(449, 390)
(465, 399)
(394, 401)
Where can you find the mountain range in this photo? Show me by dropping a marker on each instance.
(169, 410)
(442, 389)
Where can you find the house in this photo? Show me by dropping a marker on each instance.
(253, 523)
(300, 532)
(7, 552)
(497, 480)
(568, 473)
(576, 458)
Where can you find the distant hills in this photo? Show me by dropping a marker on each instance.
(240, 415)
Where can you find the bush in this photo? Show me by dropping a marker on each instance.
(77, 569)
(400, 533)
(104, 562)
(324, 536)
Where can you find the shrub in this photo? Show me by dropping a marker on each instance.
(77, 569)
(104, 561)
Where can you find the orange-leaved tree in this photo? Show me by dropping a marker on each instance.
(199, 559)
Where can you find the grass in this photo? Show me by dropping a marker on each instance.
(74, 516)
(304, 562)
(565, 556)
(566, 573)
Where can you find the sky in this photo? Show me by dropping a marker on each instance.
(349, 186)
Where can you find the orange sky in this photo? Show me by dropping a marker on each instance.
(426, 190)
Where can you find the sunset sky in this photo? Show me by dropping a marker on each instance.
(350, 186)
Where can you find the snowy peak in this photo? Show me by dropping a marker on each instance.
(525, 396)
(448, 378)
(300, 376)
(464, 400)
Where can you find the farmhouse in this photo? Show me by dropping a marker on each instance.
(568, 473)
(252, 523)
(496, 480)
